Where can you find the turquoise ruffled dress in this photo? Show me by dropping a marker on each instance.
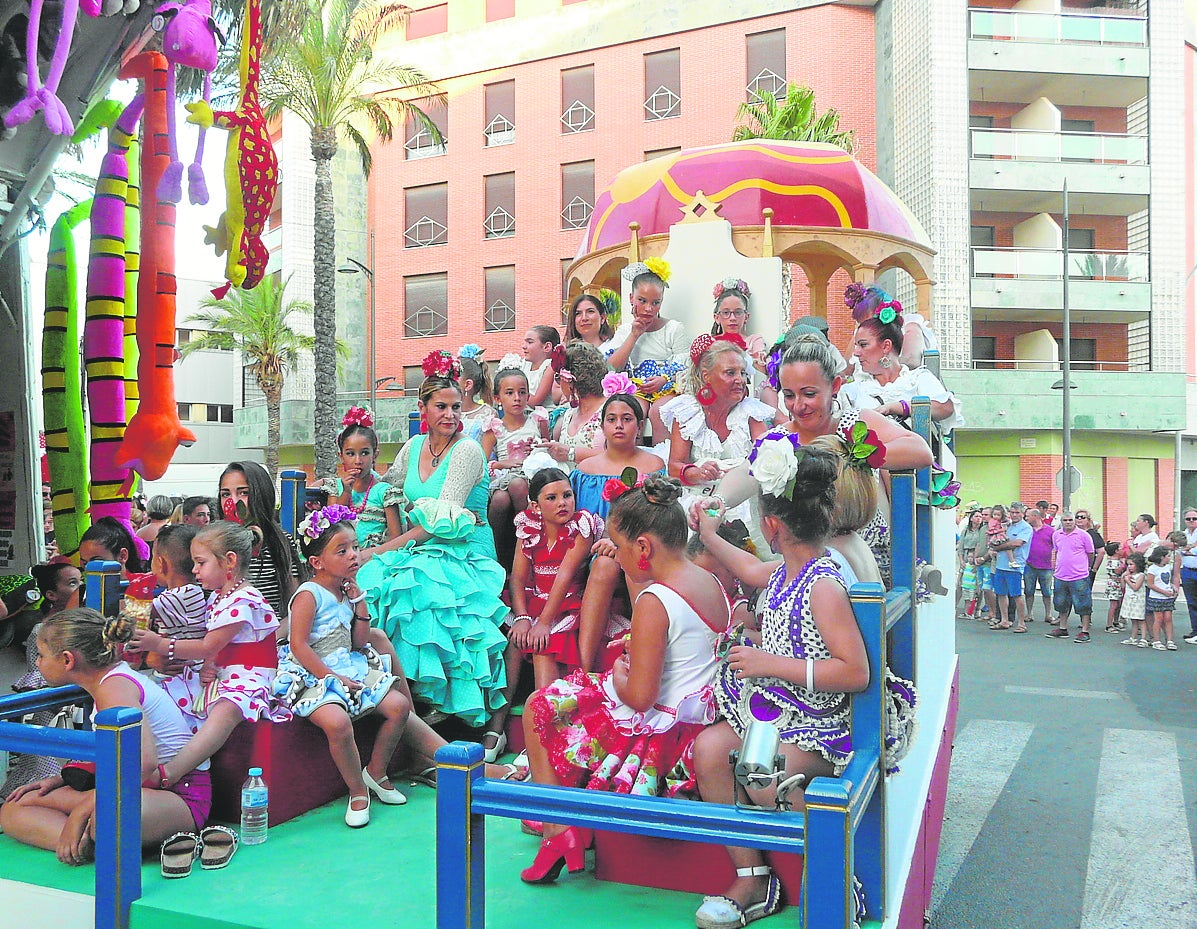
(438, 601)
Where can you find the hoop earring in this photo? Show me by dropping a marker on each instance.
(705, 395)
(643, 564)
(460, 425)
(886, 362)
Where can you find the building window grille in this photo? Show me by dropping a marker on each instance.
(425, 231)
(419, 142)
(426, 212)
(500, 131)
(500, 206)
(577, 194)
(500, 317)
(426, 305)
(425, 321)
(577, 99)
(767, 83)
(251, 393)
(663, 85)
(499, 224)
(576, 214)
(500, 299)
(500, 113)
(663, 103)
(765, 71)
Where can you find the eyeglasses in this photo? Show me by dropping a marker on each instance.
(1082, 515)
(731, 314)
(1191, 519)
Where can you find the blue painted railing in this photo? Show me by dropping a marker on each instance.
(115, 747)
(841, 832)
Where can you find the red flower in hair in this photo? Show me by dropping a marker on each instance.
(735, 338)
(557, 358)
(614, 489)
(441, 363)
(700, 347)
(358, 416)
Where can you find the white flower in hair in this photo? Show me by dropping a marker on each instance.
(775, 467)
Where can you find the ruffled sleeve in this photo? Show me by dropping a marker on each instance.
(529, 526)
(585, 524)
(687, 412)
(331, 486)
(495, 426)
(752, 408)
(392, 496)
(447, 517)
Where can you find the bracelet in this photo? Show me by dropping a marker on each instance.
(357, 599)
(572, 455)
(523, 617)
(905, 408)
(361, 619)
(170, 649)
(810, 674)
(682, 475)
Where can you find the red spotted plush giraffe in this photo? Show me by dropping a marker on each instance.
(250, 167)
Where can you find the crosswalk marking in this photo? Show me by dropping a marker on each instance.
(1064, 692)
(1140, 860)
(984, 756)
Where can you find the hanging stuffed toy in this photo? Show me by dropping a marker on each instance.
(104, 329)
(250, 167)
(188, 40)
(39, 96)
(155, 431)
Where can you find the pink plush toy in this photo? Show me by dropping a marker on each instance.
(189, 36)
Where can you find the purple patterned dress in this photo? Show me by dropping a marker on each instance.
(814, 720)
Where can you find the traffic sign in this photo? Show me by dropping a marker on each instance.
(1075, 480)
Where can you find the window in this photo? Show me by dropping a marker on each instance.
(1077, 125)
(432, 20)
(980, 122)
(661, 152)
(500, 113)
(250, 391)
(663, 84)
(981, 237)
(577, 99)
(413, 377)
(218, 412)
(420, 141)
(984, 347)
(182, 337)
(426, 212)
(184, 412)
(499, 9)
(1080, 239)
(577, 194)
(500, 205)
(426, 305)
(500, 299)
(565, 263)
(1082, 355)
(766, 52)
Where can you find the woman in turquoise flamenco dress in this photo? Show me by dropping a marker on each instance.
(434, 589)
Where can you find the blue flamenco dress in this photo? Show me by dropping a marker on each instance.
(438, 600)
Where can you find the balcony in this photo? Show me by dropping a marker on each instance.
(1027, 283)
(1067, 43)
(1107, 172)
(1119, 401)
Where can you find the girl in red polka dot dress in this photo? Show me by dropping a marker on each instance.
(239, 648)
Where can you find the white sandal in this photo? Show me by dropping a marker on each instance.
(492, 754)
(720, 912)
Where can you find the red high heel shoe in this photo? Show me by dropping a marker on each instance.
(566, 848)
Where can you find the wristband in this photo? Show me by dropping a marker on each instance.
(905, 408)
(572, 455)
(361, 619)
(810, 674)
(170, 650)
(357, 599)
(682, 475)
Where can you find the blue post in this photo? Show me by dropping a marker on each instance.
(291, 499)
(413, 423)
(103, 590)
(868, 736)
(920, 416)
(118, 814)
(827, 865)
(460, 839)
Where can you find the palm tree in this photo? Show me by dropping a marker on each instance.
(256, 322)
(792, 119)
(329, 78)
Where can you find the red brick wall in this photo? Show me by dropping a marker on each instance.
(1109, 119)
(712, 82)
(1037, 477)
(1111, 337)
(1165, 499)
(1109, 232)
(1115, 506)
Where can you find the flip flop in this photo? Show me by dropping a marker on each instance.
(426, 776)
(1020, 629)
(512, 772)
(219, 845)
(178, 854)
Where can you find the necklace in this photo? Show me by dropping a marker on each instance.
(224, 595)
(775, 597)
(436, 458)
(358, 507)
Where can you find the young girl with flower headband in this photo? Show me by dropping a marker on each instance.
(622, 419)
(631, 729)
(731, 317)
(811, 657)
(476, 409)
(652, 349)
(240, 642)
(554, 541)
(582, 376)
(376, 505)
(329, 672)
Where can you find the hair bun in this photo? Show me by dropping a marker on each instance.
(119, 629)
(661, 490)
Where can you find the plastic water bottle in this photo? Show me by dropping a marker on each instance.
(255, 809)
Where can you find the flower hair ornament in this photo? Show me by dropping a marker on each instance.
(945, 489)
(871, 301)
(773, 363)
(617, 383)
(471, 351)
(774, 462)
(705, 342)
(733, 285)
(557, 359)
(320, 520)
(441, 363)
(358, 416)
(865, 449)
(658, 266)
(610, 301)
(629, 479)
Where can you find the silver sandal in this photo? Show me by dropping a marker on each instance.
(721, 912)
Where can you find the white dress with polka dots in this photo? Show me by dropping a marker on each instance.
(248, 686)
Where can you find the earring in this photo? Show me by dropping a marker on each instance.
(705, 395)
(886, 362)
(460, 426)
(643, 563)
(228, 575)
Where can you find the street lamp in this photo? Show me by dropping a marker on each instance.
(353, 266)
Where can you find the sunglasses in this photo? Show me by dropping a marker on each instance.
(1191, 519)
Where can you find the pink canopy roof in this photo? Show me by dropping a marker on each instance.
(805, 184)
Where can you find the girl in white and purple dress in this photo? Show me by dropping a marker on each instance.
(240, 642)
